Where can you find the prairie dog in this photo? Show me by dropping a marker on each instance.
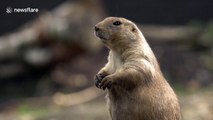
(136, 87)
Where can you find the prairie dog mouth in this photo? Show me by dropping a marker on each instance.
(101, 35)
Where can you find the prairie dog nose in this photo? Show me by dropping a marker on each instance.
(97, 28)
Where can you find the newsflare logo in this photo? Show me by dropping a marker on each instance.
(9, 9)
(21, 10)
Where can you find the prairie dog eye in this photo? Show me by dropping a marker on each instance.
(117, 23)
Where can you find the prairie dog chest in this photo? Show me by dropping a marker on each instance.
(115, 61)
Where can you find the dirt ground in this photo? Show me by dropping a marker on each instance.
(195, 106)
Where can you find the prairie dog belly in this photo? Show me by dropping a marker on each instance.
(115, 61)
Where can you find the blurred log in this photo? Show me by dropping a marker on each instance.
(171, 33)
(76, 98)
(70, 23)
(207, 36)
(54, 36)
(59, 99)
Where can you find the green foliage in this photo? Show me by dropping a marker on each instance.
(35, 112)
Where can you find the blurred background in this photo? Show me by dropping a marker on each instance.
(48, 58)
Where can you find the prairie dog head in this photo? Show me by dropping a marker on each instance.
(114, 31)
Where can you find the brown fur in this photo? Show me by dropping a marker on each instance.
(136, 87)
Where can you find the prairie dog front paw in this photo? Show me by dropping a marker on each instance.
(98, 78)
(106, 83)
